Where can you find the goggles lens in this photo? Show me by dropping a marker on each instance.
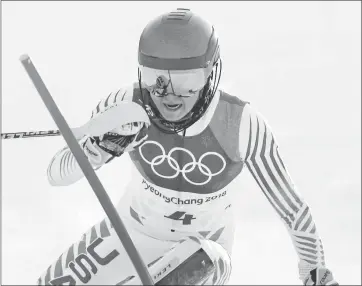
(178, 82)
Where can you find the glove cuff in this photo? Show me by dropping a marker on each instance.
(95, 154)
(320, 276)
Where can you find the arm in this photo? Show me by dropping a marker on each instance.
(63, 169)
(259, 150)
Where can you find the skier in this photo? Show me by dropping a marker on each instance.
(178, 207)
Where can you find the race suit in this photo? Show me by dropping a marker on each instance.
(183, 184)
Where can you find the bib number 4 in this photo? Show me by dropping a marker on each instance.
(182, 216)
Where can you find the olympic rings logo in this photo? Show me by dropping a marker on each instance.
(189, 167)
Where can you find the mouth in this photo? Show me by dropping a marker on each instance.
(172, 107)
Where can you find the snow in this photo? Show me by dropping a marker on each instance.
(298, 63)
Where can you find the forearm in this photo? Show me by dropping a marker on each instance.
(294, 213)
(269, 171)
(306, 241)
(64, 170)
(296, 216)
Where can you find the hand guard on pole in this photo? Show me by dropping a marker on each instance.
(122, 139)
(320, 276)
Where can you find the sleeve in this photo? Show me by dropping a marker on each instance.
(260, 152)
(63, 169)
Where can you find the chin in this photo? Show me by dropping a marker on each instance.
(172, 116)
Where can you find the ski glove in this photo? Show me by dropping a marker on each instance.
(123, 139)
(320, 276)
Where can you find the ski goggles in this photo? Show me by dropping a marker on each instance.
(184, 83)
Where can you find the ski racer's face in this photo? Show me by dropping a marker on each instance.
(173, 107)
(174, 92)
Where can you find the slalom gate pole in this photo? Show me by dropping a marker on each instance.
(88, 171)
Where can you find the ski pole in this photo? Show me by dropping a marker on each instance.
(104, 121)
(30, 134)
(88, 171)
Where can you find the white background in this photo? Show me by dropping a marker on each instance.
(298, 63)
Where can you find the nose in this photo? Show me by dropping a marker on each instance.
(171, 95)
(169, 92)
(171, 99)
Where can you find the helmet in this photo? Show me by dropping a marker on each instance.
(179, 46)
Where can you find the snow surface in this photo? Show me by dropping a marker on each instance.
(298, 63)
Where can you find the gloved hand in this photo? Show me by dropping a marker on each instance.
(113, 130)
(100, 150)
(320, 276)
(123, 139)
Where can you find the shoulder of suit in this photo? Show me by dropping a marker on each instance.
(232, 99)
